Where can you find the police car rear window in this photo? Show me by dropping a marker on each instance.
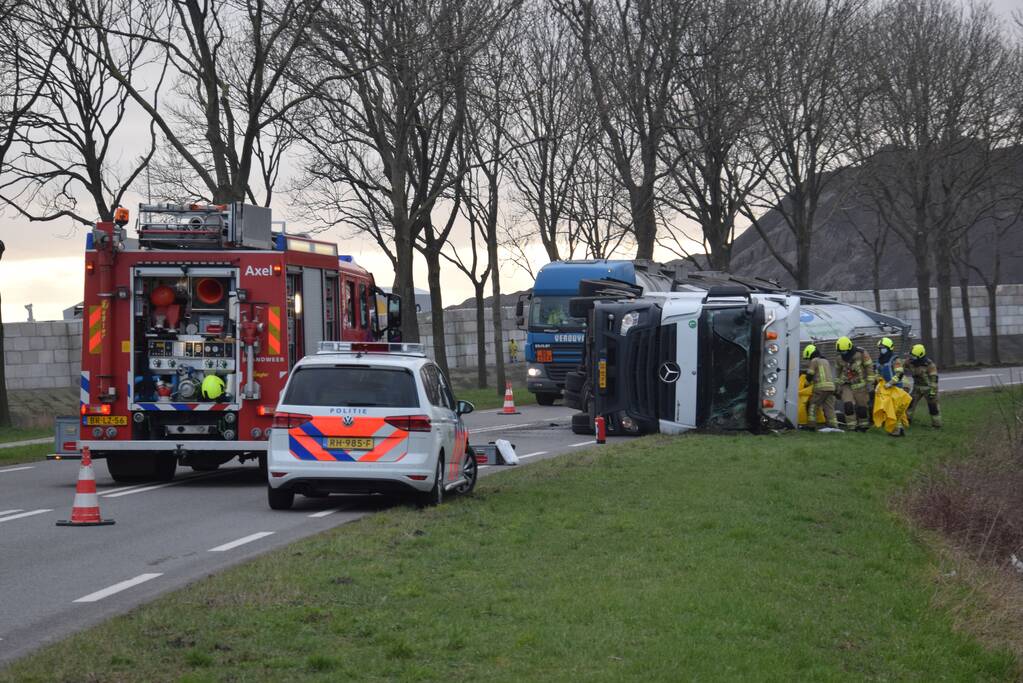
(359, 386)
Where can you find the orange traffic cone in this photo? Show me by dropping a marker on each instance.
(85, 509)
(509, 401)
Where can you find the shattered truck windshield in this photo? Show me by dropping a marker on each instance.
(724, 366)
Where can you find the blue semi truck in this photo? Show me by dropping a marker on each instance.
(554, 338)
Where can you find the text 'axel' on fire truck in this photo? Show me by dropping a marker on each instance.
(190, 330)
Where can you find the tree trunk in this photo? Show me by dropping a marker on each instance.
(877, 281)
(403, 283)
(644, 219)
(923, 288)
(964, 298)
(943, 275)
(5, 407)
(440, 346)
(992, 311)
(481, 337)
(498, 323)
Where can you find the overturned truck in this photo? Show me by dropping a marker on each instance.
(717, 352)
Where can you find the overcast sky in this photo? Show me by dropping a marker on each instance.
(43, 261)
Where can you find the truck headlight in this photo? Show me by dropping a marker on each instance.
(770, 391)
(772, 349)
(534, 371)
(629, 320)
(627, 423)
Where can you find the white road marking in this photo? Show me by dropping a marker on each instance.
(583, 443)
(27, 442)
(30, 513)
(323, 513)
(972, 386)
(119, 489)
(17, 469)
(9, 512)
(517, 425)
(117, 493)
(241, 541)
(117, 588)
(952, 378)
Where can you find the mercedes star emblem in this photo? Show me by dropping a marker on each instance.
(669, 372)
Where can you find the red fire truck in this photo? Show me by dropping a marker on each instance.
(206, 291)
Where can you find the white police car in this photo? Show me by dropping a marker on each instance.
(368, 417)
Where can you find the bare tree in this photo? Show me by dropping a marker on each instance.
(714, 152)
(804, 75)
(935, 115)
(389, 129)
(598, 212)
(632, 52)
(230, 61)
(550, 127)
(69, 144)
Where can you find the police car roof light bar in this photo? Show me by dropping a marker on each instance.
(372, 347)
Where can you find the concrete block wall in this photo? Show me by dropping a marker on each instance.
(43, 355)
(460, 335)
(902, 303)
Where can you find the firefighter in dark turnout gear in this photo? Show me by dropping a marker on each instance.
(854, 377)
(821, 377)
(925, 384)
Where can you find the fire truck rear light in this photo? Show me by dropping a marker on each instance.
(265, 411)
(278, 475)
(277, 269)
(768, 403)
(410, 423)
(771, 335)
(85, 409)
(90, 267)
(96, 409)
(290, 420)
(69, 446)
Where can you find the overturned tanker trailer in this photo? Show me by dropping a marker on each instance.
(717, 353)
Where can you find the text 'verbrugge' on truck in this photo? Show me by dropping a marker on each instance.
(190, 331)
(718, 353)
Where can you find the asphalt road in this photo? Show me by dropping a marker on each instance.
(56, 580)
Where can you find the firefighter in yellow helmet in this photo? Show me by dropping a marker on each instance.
(212, 387)
(925, 384)
(854, 378)
(821, 377)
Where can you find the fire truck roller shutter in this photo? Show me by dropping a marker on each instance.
(312, 308)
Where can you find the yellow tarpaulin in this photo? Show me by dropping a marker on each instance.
(890, 407)
(805, 390)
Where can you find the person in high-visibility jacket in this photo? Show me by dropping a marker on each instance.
(890, 369)
(925, 384)
(854, 373)
(821, 377)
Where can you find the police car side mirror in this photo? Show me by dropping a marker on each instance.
(464, 408)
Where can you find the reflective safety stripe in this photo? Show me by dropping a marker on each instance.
(273, 330)
(309, 441)
(95, 338)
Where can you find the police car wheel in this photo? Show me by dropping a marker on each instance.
(435, 496)
(279, 499)
(470, 472)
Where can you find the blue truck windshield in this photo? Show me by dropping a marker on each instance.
(552, 311)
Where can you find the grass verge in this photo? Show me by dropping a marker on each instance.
(702, 557)
(8, 434)
(487, 399)
(21, 454)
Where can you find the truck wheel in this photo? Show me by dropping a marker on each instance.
(582, 423)
(574, 381)
(279, 499)
(130, 468)
(434, 496)
(546, 399)
(164, 467)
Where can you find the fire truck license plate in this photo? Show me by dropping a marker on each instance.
(106, 421)
(351, 444)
